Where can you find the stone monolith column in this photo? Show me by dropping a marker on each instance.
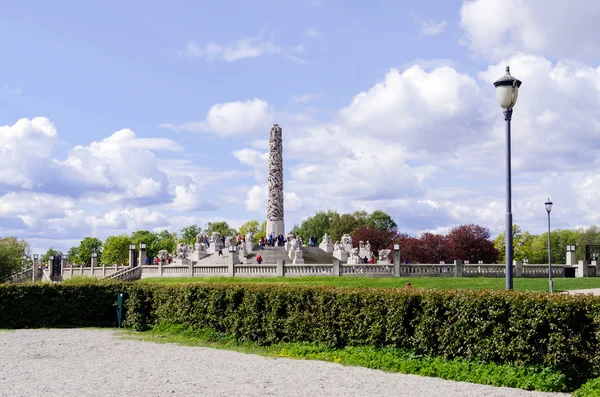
(275, 224)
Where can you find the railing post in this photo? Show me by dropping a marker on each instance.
(231, 265)
(191, 269)
(279, 271)
(396, 259)
(337, 271)
(582, 270)
(518, 268)
(160, 265)
(458, 268)
(36, 266)
(104, 271)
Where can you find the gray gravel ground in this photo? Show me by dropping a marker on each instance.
(83, 362)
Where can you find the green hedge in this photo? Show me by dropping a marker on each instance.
(556, 331)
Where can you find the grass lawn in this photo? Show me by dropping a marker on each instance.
(520, 284)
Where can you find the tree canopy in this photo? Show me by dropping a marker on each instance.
(116, 250)
(12, 251)
(86, 247)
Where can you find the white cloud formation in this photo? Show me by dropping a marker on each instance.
(231, 119)
(313, 33)
(432, 28)
(244, 48)
(306, 98)
(555, 28)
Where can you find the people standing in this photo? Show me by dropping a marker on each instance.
(259, 259)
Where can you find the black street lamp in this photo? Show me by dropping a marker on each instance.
(507, 92)
(548, 209)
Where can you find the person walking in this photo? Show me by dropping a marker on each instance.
(258, 259)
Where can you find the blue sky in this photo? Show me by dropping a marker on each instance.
(116, 116)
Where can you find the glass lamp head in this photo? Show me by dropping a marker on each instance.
(507, 90)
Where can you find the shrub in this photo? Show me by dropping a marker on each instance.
(590, 389)
(560, 332)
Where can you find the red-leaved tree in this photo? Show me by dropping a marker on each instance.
(472, 243)
(379, 239)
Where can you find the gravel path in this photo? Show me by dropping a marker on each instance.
(82, 362)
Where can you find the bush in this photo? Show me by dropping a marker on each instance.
(559, 332)
(589, 389)
(555, 331)
(57, 306)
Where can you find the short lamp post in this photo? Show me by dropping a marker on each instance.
(142, 246)
(507, 92)
(232, 248)
(548, 209)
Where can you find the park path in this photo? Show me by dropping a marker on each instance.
(594, 291)
(86, 362)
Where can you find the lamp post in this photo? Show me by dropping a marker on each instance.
(548, 209)
(507, 92)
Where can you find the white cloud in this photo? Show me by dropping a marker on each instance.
(306, 98)
(232, 119)
(554, 28)
(12, 91)
(434, 111)
(313, 33)
(432, 28)
(256, 199)
(244, 48)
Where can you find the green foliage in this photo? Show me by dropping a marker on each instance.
(387, 359)
(51, 252)
(250, 226)
(11, 255)
(148, 238)
(116, 250)
(590, 389)
(262, 232)
(165, 241)
(316, 225)
(221, 227)
(58, 306)
(73, 255)
(554, 331)
(189, 233)
(345, 224)
(86, 247)
(380, 220)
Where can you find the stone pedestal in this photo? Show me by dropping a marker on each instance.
(337, 268)
(199, 254)
(397, 261)
(341, 255)
(571, 258)
(132, 258)
(181, 261)
(582, 270)
(280, 270)
(242, 253)
(458, 268)
(143, 257)
(384, 262)
(36, 270)
(94, 262)
(215, 247)
(276, 228)
(327, 247)
(518, 268)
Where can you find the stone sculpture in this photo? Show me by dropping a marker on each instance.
(182, 251)
(215, 236)
(346, 239)
(339, 252)
(275, 223)
(163, 256)
(384, 255)
(326, 239)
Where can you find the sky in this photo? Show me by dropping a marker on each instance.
(117, 116)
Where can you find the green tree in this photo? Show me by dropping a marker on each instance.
(12, 251)
(189, 233)
(73, 255)
(221, 227)
(51, 252)
(316, 225)
(380, 220)
(262, 232)
(116, 250)
(250, 226)
(148, 238)
(167, 241)
(500, 243)
(86, 247)
(344, 224)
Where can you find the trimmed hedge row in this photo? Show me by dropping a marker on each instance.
(557, 331)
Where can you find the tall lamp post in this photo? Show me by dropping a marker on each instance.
(507, 92)
(548, 209)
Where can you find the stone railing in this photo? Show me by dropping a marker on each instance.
(21, 277)
(89, 271)
(427, 270)
(126, 274)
